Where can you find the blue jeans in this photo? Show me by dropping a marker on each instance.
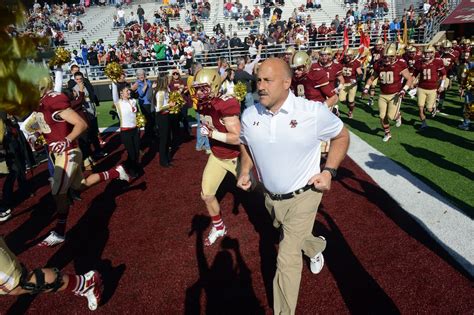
(201, 141)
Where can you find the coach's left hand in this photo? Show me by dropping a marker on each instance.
(321, 181)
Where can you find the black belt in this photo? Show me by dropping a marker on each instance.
(291, 194)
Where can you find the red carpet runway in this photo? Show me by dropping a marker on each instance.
(146, 239)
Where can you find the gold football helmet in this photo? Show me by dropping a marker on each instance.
(325, 55)
(428, 52)
(411, 42)
(379, 43)
(290, 50)
(299, 59)
(208, 81)
(411, 49)
(390, 54)
(45, 84)
(326, 50)
(447, 45)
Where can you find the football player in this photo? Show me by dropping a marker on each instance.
(16, 280)
(351, 68)
(390, 72)
(430, 71)
(289, 53)
(466, 80)
(377, 54)
(219, 116)
(311, 82)
(61, 126)
(333, 70)
(411, 58)
(449, 60)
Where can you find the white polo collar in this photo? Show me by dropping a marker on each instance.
(287, 106)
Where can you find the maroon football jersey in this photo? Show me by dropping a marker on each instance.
(390, 77)
(314, 86)
(430, 73)
(449, 58)
(349, 70)
(212, 115)
(377, 54)
(53, 127)
(333, 70)
(411, 62)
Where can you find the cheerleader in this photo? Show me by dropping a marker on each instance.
(127, 109)
(163, 119)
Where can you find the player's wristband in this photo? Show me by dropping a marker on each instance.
(367, 86)
(406, 88)
(219, 136)
(442, 84)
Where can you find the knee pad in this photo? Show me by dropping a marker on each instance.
(40, 285)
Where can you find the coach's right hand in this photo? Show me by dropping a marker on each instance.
(244, 182)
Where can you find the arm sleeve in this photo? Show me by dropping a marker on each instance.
(327, 90)
(328, 124)
(115, 95)
(58, 80)
(231, 108)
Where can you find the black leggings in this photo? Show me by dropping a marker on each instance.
(163, 124)
(131, 140)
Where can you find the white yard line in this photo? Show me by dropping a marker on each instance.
(444, 221)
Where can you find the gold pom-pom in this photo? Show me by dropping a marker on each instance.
(40, 141)
(141, 120)
(61, 56)
(240, 91)
(176, 98)
(113, 71)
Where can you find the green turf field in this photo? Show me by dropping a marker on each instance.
(442, 155)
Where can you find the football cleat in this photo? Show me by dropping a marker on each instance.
(398, 122)
(350, 115)
(370, 102)
(92, 289)
(5, 214)
(52, 240)
(317, 262)
(122, 173)
(214, 234)
(423, 125)
(387, 137)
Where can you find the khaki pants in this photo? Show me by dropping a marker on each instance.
(67, 171)
(295, 218)
(214, 173)
(10, 269)
(426, 98)
(349, 92)
(388, 106)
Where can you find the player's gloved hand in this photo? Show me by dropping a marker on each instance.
(402, 93)
(204, 131)
(441, 89)
(60, 146)
(353, 81)
(365, 92)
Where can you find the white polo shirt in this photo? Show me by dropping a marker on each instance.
(286, 146)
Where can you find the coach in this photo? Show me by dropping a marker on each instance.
(281, 136)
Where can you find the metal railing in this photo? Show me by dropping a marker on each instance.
(209, 59)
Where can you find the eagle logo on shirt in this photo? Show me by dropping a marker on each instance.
(293, 123)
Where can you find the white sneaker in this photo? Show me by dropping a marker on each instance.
(92, 289)
(387, 137)
(122, 173)
(214, 234)
(398, 121)
(317, 262)
(53, 239)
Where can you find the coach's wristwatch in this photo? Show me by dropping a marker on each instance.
(331, 171)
